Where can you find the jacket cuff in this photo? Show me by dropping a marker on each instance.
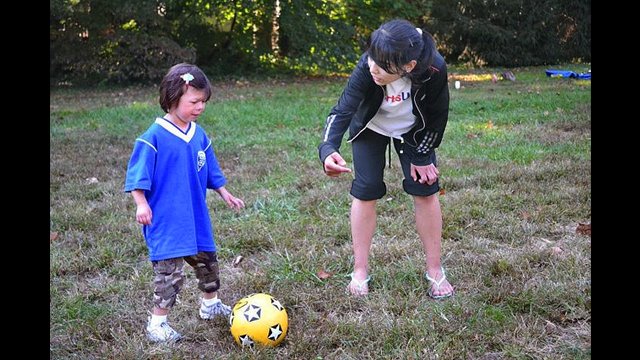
(324, 151)
(420, 159)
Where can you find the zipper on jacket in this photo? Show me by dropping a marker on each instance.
(424, 124)
(389, 157)
(368, 121)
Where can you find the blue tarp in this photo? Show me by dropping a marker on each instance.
(568, 74)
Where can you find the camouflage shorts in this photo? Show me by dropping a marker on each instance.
(168, 276)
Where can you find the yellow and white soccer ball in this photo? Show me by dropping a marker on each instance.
(259, 319)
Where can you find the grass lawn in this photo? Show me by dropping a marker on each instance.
(515, 167)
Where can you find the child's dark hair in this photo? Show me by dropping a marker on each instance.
(175, 83)
(397, 42)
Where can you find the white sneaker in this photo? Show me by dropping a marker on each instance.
(162, 332)
(217, 309)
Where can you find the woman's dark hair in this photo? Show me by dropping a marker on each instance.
(397, 42)
(174, 84)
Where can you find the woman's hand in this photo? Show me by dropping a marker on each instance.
(335, 165)
(424, 174)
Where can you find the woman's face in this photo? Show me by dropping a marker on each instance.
(380, 76)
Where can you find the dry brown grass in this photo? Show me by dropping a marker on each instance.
(514, 196)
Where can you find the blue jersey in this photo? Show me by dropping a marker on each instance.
(175, 168)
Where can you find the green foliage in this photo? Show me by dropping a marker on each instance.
(368, 15)
(225, 34)
(513, 32)
(105, 41)
(140, 58)
(316, 36)
(122, 41)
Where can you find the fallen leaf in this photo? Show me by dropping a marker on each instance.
(555, 250)
(442, 191)
(324, 275)
(583, 229)
(53, 236)
(237, 260)
(550, 327)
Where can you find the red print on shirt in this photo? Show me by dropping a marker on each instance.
(398, 97)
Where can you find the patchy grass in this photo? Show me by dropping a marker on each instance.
(516, 172)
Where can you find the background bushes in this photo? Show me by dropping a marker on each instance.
(125, 42)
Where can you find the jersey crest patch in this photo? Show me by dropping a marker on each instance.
(202, 159)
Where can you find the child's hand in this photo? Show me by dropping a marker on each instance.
(234, 202)
(144, 214)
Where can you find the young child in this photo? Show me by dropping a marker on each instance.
(171, 167)
(397, 94)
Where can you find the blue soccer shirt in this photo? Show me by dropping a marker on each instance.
(175, 168)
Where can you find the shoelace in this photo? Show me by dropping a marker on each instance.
(168, 330)
(218, 308)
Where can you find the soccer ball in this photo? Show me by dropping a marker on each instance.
(258, 318)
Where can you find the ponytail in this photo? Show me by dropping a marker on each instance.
(425, 58)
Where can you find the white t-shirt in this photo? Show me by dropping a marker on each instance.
(395, 116)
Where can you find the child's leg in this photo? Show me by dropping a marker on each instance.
(205, 265)
(167, 281)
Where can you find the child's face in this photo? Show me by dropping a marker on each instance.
(191, 104)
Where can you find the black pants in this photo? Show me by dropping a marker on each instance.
(369, 162)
